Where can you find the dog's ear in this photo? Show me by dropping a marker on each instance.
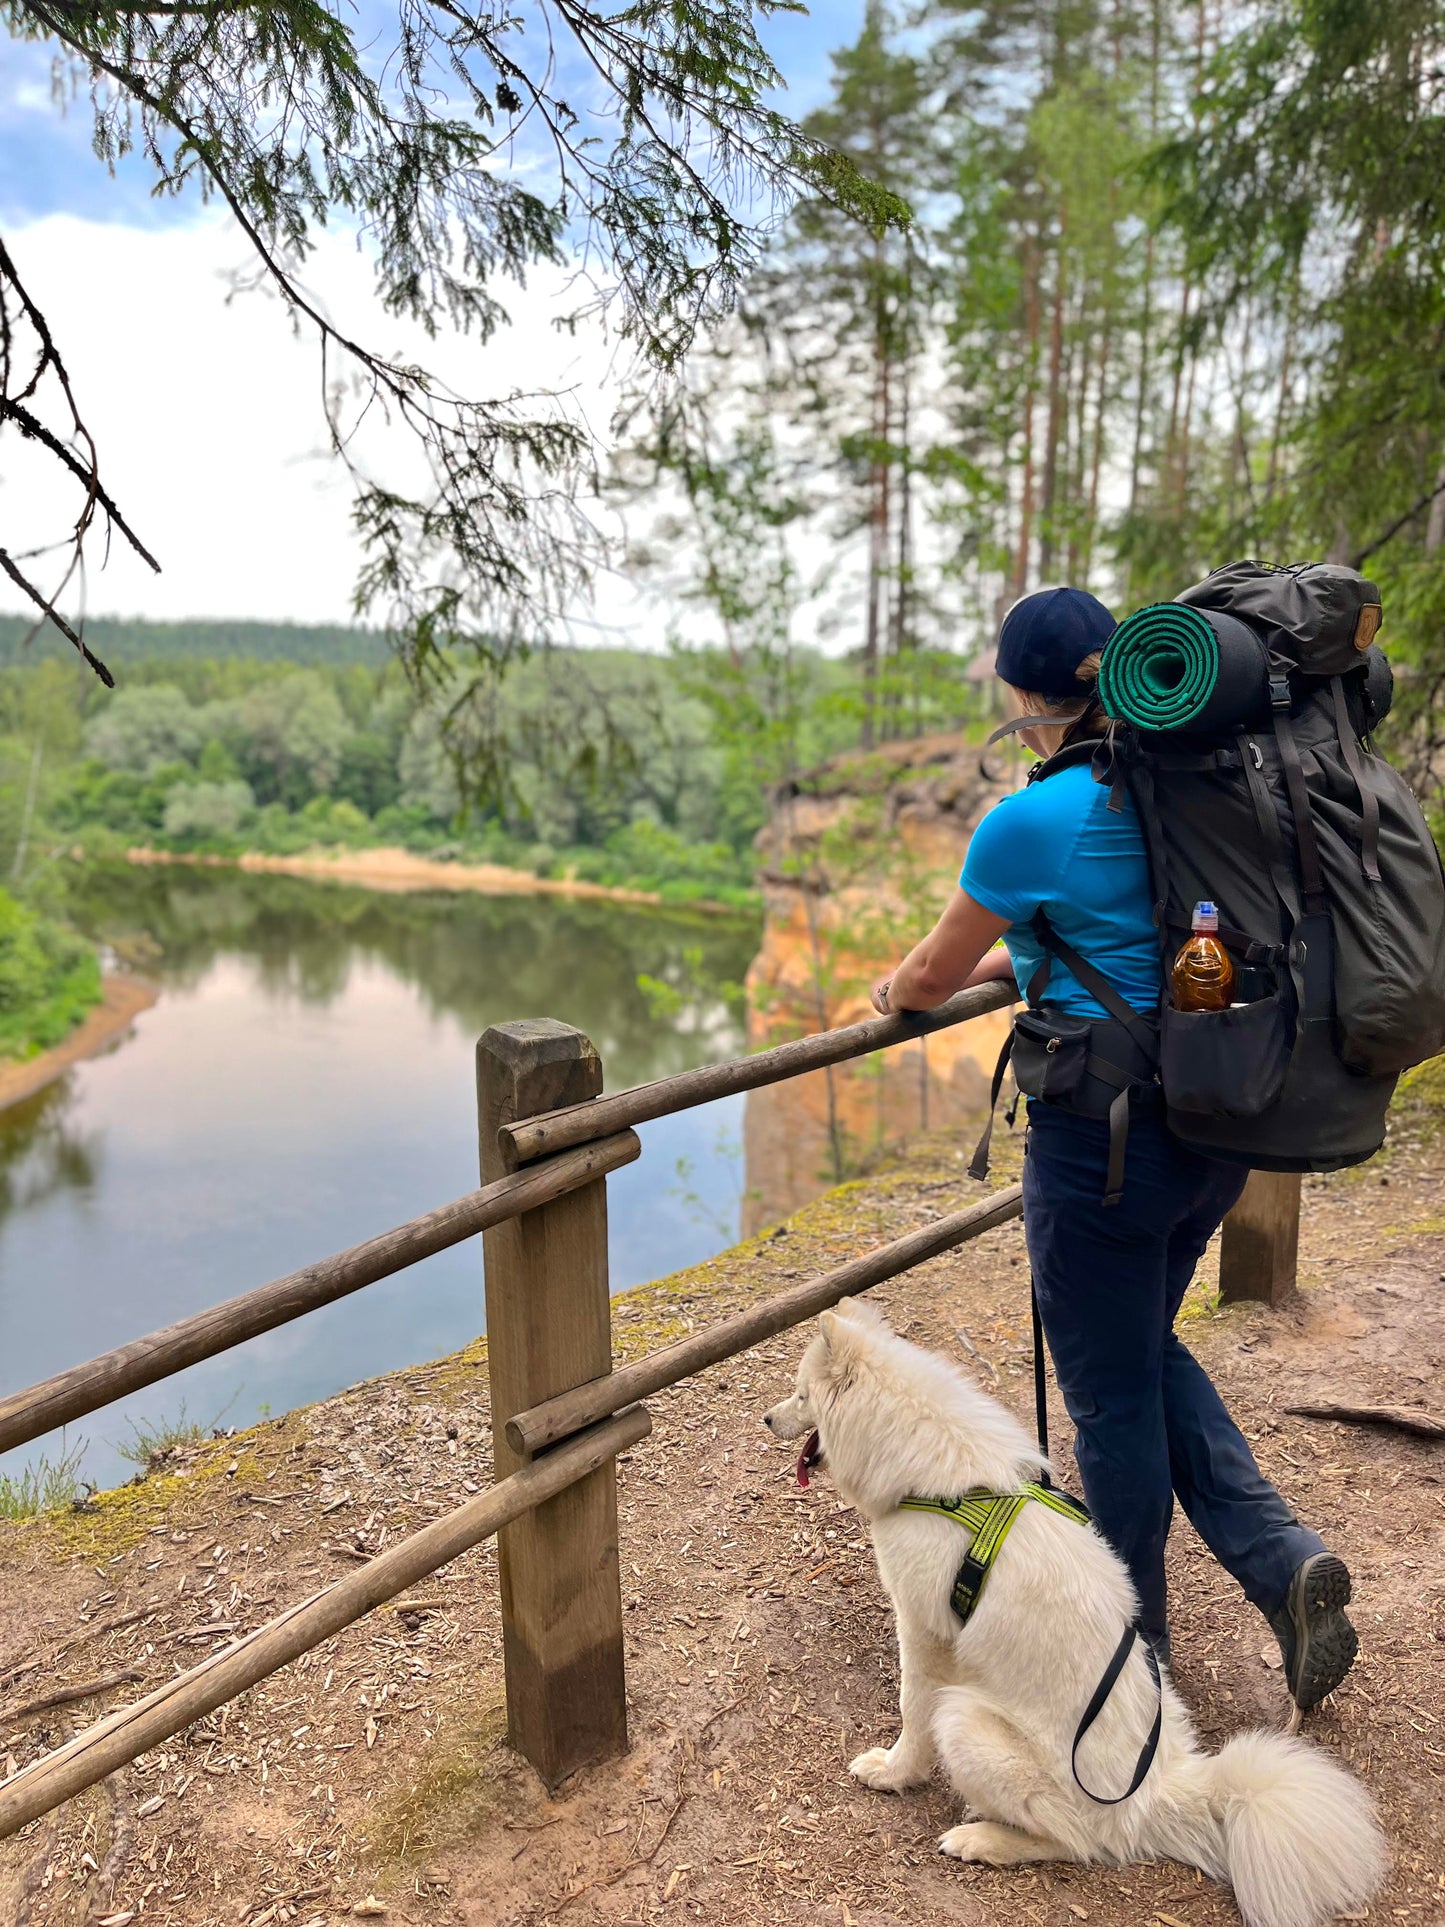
(840, 1333)
(838, 1338)
(859, 1311)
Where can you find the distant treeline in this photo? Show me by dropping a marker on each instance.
(618, 768)
(121, 642)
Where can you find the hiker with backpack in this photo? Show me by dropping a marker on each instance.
(1245, 777)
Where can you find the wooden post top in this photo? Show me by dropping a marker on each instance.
(534, 1064)
(534, 1041)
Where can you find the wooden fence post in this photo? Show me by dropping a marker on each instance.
(549, 1328)
(1260, 1253)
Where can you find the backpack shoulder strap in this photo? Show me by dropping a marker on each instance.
(1094, 981)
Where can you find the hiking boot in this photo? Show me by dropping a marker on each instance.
(1318, 1642)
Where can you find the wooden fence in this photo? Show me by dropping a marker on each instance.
(560, 1413)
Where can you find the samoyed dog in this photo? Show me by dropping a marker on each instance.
(998, 1699)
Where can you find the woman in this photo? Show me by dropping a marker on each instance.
(1110, 1275)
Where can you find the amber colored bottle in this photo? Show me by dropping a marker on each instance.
(1202, 977)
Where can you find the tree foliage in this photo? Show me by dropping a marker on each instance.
(465, 145)
(1307, 195)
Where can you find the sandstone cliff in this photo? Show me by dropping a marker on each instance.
(854, 863)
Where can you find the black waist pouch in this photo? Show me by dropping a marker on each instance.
(1050, 1052)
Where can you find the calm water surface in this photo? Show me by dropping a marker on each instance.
(306, 1081)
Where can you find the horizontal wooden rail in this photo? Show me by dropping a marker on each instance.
(85, 1388)
(555, 1418)
(123, 1735)
(534, 1137)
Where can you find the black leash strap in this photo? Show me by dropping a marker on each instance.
(1096, 1706)
(978, 1168)
(1041, 1390)
(1121, 1652)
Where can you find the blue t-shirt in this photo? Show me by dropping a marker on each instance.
(1058, 844)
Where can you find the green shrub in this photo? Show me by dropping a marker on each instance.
(45, 1487)
(207, 812)
(49, 978)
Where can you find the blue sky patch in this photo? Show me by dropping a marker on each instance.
(48, 165)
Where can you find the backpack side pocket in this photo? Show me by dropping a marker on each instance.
(1228, 1063)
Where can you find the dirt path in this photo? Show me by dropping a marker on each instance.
(122, 1000)
(760, 1655)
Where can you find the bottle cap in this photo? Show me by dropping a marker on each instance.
(1206, 916)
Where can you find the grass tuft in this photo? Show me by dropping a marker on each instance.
(46, 1486)
(153, 1446)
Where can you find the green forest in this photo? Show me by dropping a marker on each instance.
(1147, 287)
(649, 771)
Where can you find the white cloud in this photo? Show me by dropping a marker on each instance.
(207, 415)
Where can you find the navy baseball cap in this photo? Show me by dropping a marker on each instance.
(1045, 637)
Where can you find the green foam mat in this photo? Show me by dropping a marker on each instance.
(1160, 667)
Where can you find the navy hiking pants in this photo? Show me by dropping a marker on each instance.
(1149, 1424)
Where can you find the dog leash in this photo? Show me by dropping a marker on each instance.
(1041, 1400)
(1095, 1706)
(1132, 1631)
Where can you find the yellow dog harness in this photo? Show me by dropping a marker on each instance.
(989, 1516)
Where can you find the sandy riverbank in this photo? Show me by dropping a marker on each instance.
(122, 999)
(402, 870)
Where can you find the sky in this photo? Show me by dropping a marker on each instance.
(206, 408)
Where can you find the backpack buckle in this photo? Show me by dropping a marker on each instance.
(1279, 692)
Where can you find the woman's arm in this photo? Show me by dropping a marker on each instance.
(953, 954)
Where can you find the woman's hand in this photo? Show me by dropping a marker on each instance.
(878, 996)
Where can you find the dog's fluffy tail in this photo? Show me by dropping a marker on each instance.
(1299, 1835)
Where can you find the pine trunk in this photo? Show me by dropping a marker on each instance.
(1031, 364)
(1056, 411)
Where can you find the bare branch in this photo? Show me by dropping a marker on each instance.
(52, 614)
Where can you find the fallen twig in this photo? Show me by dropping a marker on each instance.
(560, 1901)
(89, 1630)
(1401, 1418)
(65, 1695)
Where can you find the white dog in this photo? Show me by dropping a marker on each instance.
(998, 1699)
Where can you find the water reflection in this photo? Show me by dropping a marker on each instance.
(41, 1153)
(305, 1081)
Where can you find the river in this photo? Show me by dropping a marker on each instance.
(306, 1080)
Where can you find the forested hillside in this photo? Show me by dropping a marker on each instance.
(618, 768)
(126, 644)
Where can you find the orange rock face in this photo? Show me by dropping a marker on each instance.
(855, 863)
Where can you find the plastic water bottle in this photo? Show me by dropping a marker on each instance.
(1202, 977)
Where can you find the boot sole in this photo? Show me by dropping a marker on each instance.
(1326, 1642)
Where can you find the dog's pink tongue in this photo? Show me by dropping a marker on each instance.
(807, 1457)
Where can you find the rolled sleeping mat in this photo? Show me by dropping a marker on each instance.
(1171, 667)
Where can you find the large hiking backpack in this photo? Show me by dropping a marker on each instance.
(1272, 801)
